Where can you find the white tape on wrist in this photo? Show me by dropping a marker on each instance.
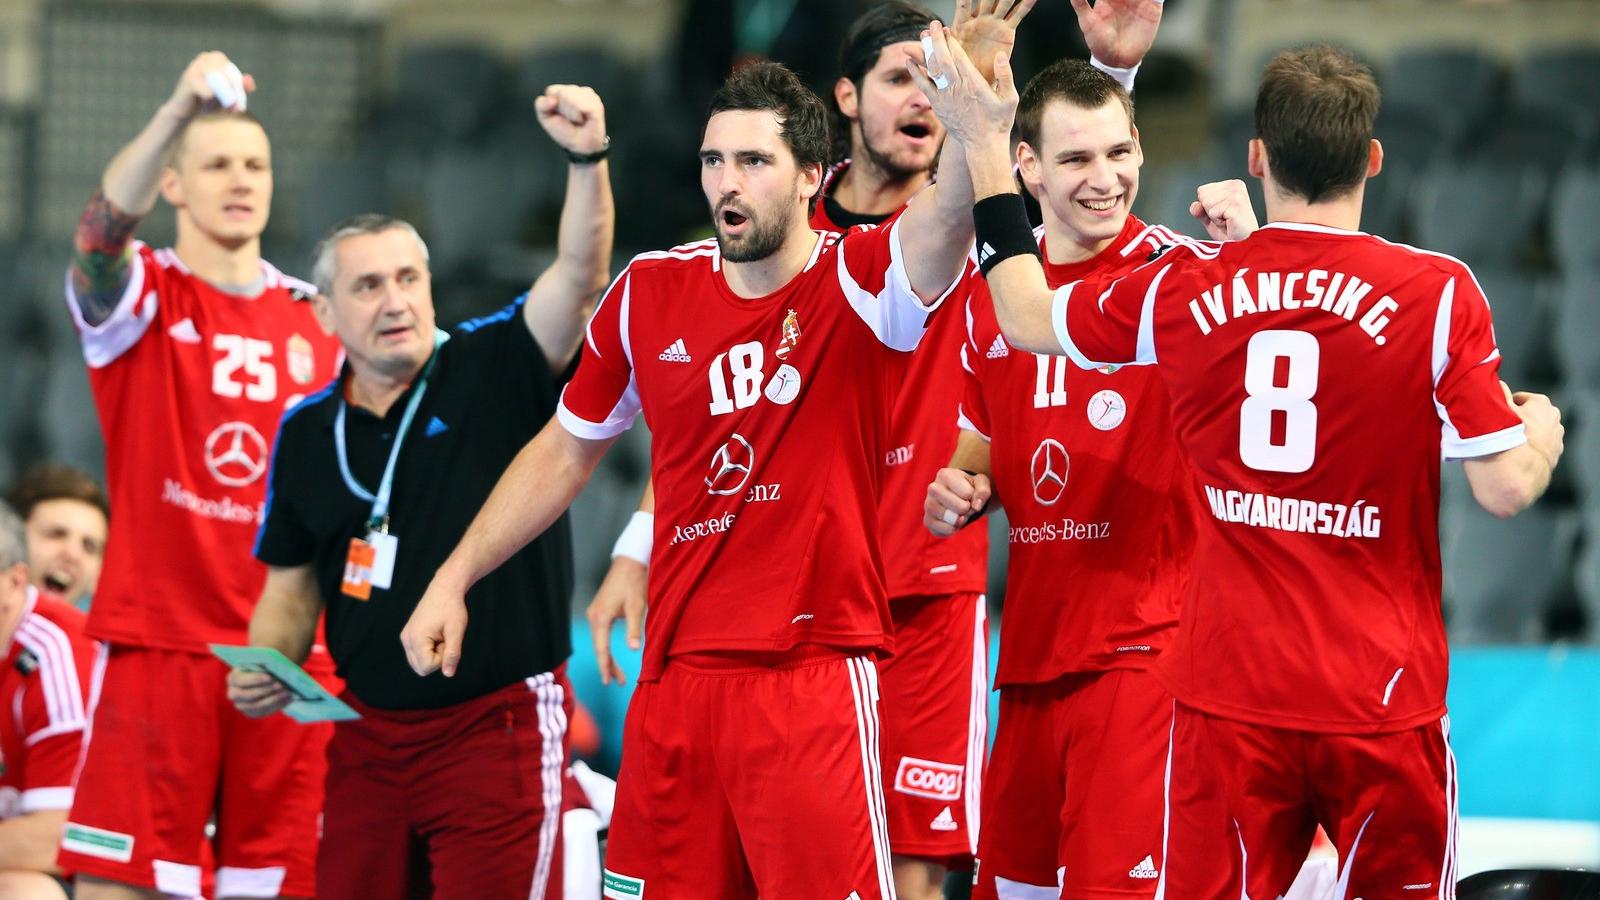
(636, 540)
(1124, 77)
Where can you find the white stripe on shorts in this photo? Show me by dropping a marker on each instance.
(864, 686)
(978, 719)
(552, 758)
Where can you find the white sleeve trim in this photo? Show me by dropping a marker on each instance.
(1123, 77)
(55, 730)
(896, 314)
(104, 343)
(965, 424)
(43, 799)
(620, 419)
(1456, 447)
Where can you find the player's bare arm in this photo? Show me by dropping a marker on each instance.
(1508, 482)
(935, 231)
(624, 593)
(1119, 32)
(575, 119)
(961, 491)
(102, 246)
(28, 842)
(536, 488)
(285, 619)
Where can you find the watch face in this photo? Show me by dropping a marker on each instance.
(1107, 409)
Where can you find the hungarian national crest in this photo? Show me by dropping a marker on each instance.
(790, 335)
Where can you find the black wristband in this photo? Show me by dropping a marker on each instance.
(589, 159)
(1000, 224)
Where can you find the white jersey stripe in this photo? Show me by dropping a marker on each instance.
(97, 680)
(58, 670)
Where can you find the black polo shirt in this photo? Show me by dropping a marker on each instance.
(490, 392)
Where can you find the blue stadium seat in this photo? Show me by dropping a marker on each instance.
(1484, 215)
(1572, 229)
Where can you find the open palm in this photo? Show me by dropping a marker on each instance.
(987, 28)
(1119, 32)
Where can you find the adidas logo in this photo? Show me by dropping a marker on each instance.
(1145, 869)
(998, 349)
(436, 427)
(984, 253)
(184, 332)
(676, 353)
(945, 821)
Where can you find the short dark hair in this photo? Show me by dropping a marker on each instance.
(56, 481)
(803, 120)
(1072, 80)
(1314, 113)
(889, 22)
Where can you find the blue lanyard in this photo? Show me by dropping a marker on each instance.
(380, 501)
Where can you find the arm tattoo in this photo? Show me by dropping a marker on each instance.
(102, 249)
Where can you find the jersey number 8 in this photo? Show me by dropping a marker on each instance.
(1292, 399)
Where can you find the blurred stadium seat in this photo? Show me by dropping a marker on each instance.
(1566, 78)
(1573, 232)
(1521, 325)
(451, 88)
(1461, 84)
(1501, 575)
(1577, 331)
(1537, 136)
(1483, 214)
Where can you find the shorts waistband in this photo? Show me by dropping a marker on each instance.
(512, 692)
(744, 662)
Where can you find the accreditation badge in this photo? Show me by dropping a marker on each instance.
(385, 547)
(358, 570)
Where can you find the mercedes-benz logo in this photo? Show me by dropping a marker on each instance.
(236, 455)
(1049, 469)
(730, 466)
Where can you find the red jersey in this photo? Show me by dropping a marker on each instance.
(922, 439)
(1084, 461)
(1316, 378)
(190, 382)
(768, 419)
(44, 681)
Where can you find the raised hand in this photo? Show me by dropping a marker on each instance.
(1119, 32)
(1224, 208)
(211, 81)
(972, 110)
(988, 28)
(573, 116)
(621, 596)
(954, 497)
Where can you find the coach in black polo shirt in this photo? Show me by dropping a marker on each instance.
(374, 480)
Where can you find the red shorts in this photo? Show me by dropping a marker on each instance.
(1387, 801)
(742, 780)
(935, 724)
(165, 749)
(459, 802)
(1076, 798)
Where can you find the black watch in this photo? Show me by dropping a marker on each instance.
(589, 159)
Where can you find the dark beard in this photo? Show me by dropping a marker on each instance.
(891, 170)
(760, 242)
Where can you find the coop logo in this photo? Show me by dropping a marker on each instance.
(236, 454)
(1049, 471)
(730, 466)
(926, 778)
